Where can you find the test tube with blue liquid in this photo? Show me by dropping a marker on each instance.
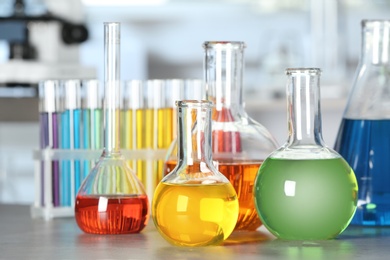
(70, 139)
(49, 139)
(92, 120)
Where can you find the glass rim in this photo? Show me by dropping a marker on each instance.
(313, 71)
(193, 103)
(224, 44)
(367, 22)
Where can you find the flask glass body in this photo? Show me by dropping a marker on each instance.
(239, 143)
(194, 205)
(305, 190)
(111, 200)
(363, 138)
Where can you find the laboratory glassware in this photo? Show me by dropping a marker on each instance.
(239, 144)
(71, 116)
(194, 205)
(112, 200)
(364, 133)
(305, 190)
(92, 137)
(49, 118)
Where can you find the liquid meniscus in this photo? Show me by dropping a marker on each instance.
(242, 176)
(111, 214)
(365, 145)
(195, 214)
(306, 199)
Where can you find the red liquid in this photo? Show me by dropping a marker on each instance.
(242, 176)
(112, 214)
(225, 141)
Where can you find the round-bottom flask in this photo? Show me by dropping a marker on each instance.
(305, 190)
(194, 205)
(239, 144)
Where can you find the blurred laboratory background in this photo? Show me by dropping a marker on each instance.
(162, 39)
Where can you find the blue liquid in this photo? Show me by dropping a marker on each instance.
(70, 139)
(65, 164)
(365, 145)
(77, 145)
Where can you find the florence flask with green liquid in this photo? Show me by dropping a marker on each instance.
(305, 190)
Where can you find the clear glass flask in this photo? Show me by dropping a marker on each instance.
(364, 134)
(304, 189)
(239, 144)
(194, 205)
(111, 200)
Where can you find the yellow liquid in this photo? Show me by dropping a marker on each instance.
(127, 133)
(127, 141)
(195, 214)
(164, 136)
(147, 129)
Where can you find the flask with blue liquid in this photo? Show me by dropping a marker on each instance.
(364, 134)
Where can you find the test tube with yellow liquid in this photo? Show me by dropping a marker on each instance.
(132, 121)
(156, 124)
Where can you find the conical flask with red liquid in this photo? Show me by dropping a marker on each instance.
(111, 200)
(239, 144)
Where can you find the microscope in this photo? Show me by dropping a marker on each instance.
(43, 46)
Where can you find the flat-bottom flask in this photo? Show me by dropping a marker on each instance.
(363, 138)
(111, 200)
(305, 190)
(195, 205)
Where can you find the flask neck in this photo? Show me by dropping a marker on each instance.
(375, 42)
(303, 102)
(112, 117)
(111, 87)
(223, 68)
(194, 133)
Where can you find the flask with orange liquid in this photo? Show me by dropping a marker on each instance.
(239, 144)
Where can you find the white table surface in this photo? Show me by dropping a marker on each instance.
(22, 237)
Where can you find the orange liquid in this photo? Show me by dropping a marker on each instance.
(242, 176)
(112, 214)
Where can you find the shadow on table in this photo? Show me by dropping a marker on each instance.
(247, 237)
(356, 232)
(125, 239)
(322, 249)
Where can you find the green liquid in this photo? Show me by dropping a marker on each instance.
(306, 199)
